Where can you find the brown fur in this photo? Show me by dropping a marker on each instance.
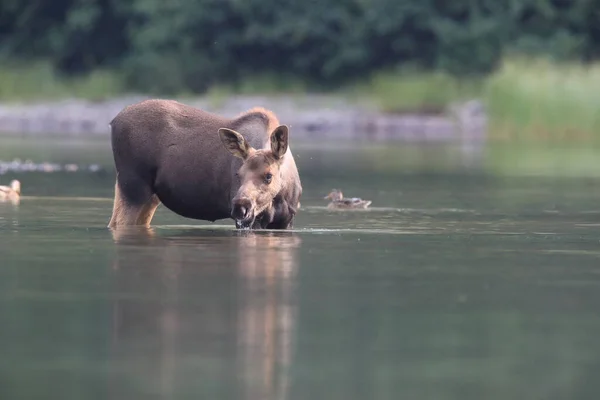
(126, 214)
(254, 171)
(187, 158)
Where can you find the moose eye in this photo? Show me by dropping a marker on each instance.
(268, 177)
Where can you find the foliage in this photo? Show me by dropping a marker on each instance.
(192, 45)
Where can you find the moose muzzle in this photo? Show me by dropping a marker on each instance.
(242, 211)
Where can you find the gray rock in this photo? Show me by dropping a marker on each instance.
(310, 116)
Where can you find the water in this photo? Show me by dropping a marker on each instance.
(457, 284)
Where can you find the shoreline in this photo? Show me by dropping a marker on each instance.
(310, 117)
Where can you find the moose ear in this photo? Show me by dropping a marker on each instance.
(235, 143)
(279, 141)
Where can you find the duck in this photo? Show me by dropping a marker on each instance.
(11, 193)
(338, 201)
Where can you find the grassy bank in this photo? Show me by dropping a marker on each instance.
(540, 100)
(38, 81)
(527, 100)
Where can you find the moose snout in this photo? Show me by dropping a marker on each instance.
(242, 209)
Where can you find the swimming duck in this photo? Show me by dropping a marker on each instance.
(11, 193)
(338, 201)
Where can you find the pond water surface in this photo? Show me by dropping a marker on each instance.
(456, 285)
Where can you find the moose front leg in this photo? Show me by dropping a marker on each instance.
(264, 219)
(283, 217)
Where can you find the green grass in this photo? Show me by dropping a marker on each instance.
(38, 81)
(527, 99)
(404, 91)
(541, 100)
(267, 85)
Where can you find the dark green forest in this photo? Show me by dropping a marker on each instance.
(164, 46)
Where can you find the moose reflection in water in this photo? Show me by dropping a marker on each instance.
(197, 322)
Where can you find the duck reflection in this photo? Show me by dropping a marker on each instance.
(203, 313)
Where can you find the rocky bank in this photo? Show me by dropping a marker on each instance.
(309, 117)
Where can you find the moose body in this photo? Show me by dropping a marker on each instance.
(203, 166)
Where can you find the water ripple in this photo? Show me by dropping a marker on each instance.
(17, 165)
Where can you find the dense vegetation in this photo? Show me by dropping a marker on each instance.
(168, 46)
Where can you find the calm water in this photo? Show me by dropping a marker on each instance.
(456, 285)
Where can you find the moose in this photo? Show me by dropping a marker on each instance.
(203, 166)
